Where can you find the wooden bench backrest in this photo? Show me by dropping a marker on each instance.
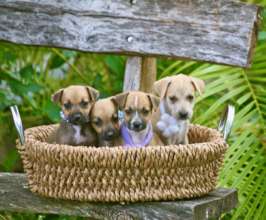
(220, 31)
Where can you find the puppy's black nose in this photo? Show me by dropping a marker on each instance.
(183, 115)
(77, 117)
(137, 125)
(109, 135)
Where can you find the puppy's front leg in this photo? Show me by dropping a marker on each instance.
(183, 137)
(64, 137)
(185, 140)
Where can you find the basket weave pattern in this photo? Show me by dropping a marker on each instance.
(119, 175)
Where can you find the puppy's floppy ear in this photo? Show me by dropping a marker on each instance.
(114, 101)
(57, 96)
(160, 87)
(198, 84)
(90, 111)
(93, 93)
(120, 99)
(154, 100)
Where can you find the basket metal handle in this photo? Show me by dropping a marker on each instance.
(226, 122)
(18, 123)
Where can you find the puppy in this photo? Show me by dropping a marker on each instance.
(105, 121)
(75, 128)
(177, 95)
(136, 129)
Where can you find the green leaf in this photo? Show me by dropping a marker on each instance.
(52, 111)
(56, 61)
(10, 160)
(34, 87)
(262, 35)
(27, 72)
(18, 87)
(115, 64)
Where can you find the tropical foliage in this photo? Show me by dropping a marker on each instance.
(29, 75)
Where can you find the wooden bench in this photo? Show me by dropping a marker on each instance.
(221, 31)
(15, 196)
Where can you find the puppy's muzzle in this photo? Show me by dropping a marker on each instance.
(77, 118)
(109, 135)
(136, 125)
(183, 115)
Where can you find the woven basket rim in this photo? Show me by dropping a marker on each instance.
(191, 154)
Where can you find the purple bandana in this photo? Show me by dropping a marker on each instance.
(128, 139)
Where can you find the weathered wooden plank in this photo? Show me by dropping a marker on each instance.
(221, 31)
(132, 74)
(230, 198)
(15, 196)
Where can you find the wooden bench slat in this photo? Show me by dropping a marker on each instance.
(220, 31)
(16, 197)
(133, 74)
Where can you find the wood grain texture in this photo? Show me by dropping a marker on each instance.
(16, 197)
(221, 31)
(132, 75)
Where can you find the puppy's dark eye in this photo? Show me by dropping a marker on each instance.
(190, 98)
(145, 111)
(97, 122)
(68, 106)
(84, 104)
(128, 111)
(115, 118)
(173, 99)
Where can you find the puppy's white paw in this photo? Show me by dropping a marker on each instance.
(161, 125)
(167, 133)
(174, 129)
(165, 118)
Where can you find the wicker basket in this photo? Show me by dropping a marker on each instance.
(119, 175)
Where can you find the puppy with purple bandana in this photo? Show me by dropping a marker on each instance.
(75, 127)
(136, 128)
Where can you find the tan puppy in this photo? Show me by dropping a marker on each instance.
(75, 128)
(177, 95)
(105, 121)
(136, 129)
